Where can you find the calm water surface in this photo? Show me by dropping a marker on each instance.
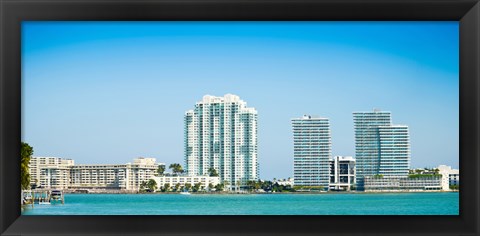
(253, 204)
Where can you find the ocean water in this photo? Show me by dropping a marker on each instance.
(253, 204)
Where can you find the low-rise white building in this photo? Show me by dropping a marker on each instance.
(285, 182)
(391, 184)
(181, 180)
(449, 176)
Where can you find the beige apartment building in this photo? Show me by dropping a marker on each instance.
(50, 172)
(59, 173)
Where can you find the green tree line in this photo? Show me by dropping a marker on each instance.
(26, 152)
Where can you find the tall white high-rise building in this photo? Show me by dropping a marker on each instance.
(394, 150)
(312, 151)
(221, 133)
(380, 147)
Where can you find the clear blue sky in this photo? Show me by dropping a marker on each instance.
(107, 92)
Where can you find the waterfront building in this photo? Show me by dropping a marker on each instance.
(450, 177)
(394, 150)
(381, 183)
(380, 147)
(59, 173)
(50, 172)
(312, 151)
(181, 180)
(114, 176)
(99, 176)
(221, 133)
(142, 169)
(342, 173)
(285, 182)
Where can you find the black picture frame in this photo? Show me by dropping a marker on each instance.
(12, 12)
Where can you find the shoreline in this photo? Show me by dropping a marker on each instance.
(254, 193)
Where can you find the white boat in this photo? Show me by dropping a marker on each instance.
(56, 194)
(185, 193)
(44, 203)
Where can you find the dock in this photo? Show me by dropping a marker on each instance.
(42, 196)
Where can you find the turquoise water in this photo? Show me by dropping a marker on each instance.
(253, 204)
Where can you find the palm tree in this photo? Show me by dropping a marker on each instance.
(196, 187)
(188, 186)
(212, 172)
(176, 168)
(166, 187)
(161, 169)
(152, 185)
(251, 185)
(226, 184)
(237, 187)
(143, 185)
(258, 184)
(219, 187)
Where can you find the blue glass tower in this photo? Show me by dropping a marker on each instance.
(380, 147)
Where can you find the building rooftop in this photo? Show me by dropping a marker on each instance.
(310, 117)
(375, 110)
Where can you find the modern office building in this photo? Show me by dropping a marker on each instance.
(59, 173)
(221, 133)
(342, 173)
(394, 150)
(450, 177)
(312, 151)
(380, 147)
(50, 172)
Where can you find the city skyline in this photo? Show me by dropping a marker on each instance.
(112, 91)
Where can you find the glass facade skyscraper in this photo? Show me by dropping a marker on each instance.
(394, 150)
(221, 133)
(312, 151)
(380, 147)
